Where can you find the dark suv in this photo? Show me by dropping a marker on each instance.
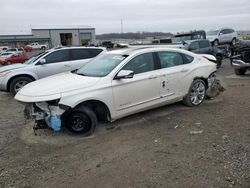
(203, 46)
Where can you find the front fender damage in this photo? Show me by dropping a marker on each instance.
(44, 115)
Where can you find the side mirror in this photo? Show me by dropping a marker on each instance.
(42, 61)
(124, 74)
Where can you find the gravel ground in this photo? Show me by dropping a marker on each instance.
(172, 146)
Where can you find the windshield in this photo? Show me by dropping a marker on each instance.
(34, 58)
(210, 33)
(101, 65)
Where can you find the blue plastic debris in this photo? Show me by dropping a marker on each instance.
(55, 122)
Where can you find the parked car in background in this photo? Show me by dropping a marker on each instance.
(108, 44)
(179, 38)
(5, 55)
(3, 49)
(36, 46)
(222, 36)
(241, 58)
(203, 46)
(11, 58)
(118, 84)
(50, 62)
(16, 50)
(28, 48)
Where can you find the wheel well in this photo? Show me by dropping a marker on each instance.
(204, 79)
(14, 77)
(101, 110)
(219, 54)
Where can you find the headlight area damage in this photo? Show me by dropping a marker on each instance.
(45, 114)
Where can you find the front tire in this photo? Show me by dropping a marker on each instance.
(196, 93)
(216, 42)
(81, 120)
(18, 84)
(233, 41)
(240, 71)
(219, 60)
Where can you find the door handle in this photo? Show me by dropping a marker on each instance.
(152, 77)
(66, 65)
(184, 70)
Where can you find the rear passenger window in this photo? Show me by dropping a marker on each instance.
(58, 56)
(187, 58)
(77, 54)
(94, 52)
(140, 64)
(170, 59)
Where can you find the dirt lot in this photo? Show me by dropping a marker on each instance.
(174, 146)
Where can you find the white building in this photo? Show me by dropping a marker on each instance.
(67, 35)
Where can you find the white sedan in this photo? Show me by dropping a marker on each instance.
(118, 84)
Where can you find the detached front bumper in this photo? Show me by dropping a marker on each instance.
(44, 115)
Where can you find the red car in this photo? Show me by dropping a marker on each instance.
(28, 48)
(9, 58)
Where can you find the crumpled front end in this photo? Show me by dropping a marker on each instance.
(44, 114)
(215, 86)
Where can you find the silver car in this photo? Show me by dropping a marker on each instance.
(54, 61)
(222, 36)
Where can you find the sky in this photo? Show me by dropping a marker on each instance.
(137, 15)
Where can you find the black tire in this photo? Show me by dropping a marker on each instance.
(229, 53)
(14, 83)
(216, 42)
(240, 71)
(233, 41)
(187, 99)
(219, 60)
(43, 48)
(81, 120)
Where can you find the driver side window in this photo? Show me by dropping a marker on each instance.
(58, 56)
(140, 64)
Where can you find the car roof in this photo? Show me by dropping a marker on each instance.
(136, 50)
(77, 47)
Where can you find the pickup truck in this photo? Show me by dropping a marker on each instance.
(240, 61)
(203, 46)
(36, 45)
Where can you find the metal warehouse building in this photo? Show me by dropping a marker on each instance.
(51, 35)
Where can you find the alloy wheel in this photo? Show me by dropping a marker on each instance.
(19, 85)
(197, 94)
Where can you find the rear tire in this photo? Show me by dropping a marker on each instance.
(81, 120)
(240, 71)
(196, 93)
(18, 83)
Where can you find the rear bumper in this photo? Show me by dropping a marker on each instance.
(238, 64)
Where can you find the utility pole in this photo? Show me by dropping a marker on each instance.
(121, 26)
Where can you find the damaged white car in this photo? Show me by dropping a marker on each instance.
(118, 84)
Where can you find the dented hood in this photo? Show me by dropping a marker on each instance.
(52, 87)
